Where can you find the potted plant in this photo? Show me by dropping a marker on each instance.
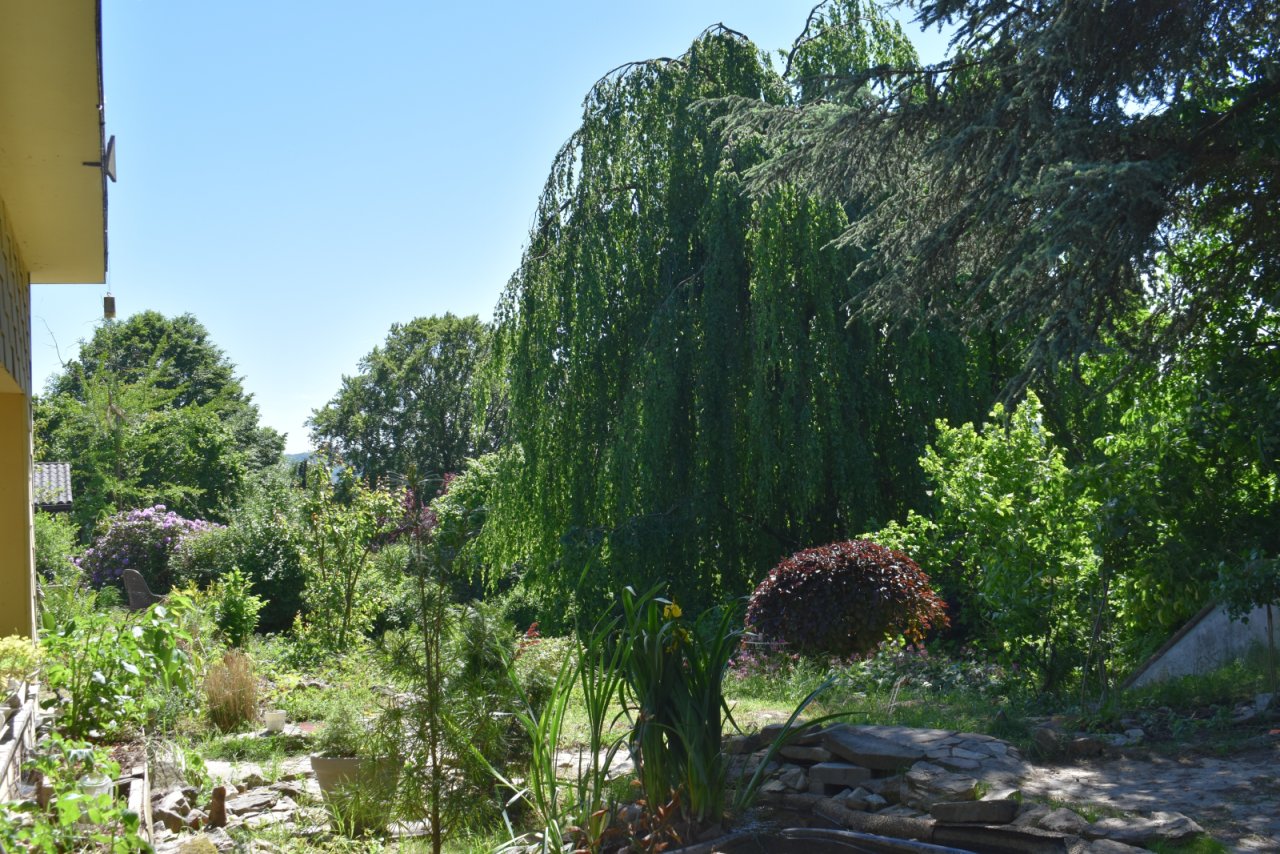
(19, 658)
(340, 744)
(358, 780)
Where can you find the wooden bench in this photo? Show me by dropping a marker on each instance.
(140, 595)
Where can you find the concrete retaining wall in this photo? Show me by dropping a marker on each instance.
(1209, 641)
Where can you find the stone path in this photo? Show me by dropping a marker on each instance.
(243, 798)
(1236, 798)
(964, 790)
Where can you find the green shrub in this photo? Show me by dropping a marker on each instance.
(263, 540)
(346, 730)
(19, 658)
(1010, 540)
(64, 590)
(844, 599)
(200, 560)
(387, 565)
(537, 662)
(347, 523)
(235, 608)
(55, 540)
(108, 671)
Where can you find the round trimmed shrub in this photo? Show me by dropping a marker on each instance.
(139, 539)
(844, 599)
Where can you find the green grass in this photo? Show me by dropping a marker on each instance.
(1237, 682)
(1203, 844)
(908, 705)
(1088, 812)
(251, 748)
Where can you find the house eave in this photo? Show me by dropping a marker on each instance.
(51, 98)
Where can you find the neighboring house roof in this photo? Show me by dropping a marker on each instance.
(51, 486)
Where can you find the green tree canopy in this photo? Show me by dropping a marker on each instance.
(688, 399)
(1043, 172)
(413, 405)
(152, 413)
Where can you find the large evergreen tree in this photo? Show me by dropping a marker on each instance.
(689, 398)
(1043, 172)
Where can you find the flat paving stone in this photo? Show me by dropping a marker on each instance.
(863, 747)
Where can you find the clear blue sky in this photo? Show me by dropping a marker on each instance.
(299, 176)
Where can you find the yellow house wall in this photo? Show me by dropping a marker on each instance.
(17, 567)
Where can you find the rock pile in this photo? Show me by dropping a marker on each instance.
(937, 786)
(243, 797)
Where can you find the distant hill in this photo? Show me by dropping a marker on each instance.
(294, 459)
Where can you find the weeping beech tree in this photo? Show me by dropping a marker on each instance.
(690, 400)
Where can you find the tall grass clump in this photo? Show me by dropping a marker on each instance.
(231, 691)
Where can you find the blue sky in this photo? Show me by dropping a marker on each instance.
(299, 176)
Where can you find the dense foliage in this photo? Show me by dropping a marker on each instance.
(1182, 460)
(74, 820)
(689, 399)
(345, 524)
(235, 609)
(107, 672)
(844, 599)
(1041, 171)
(151, 413)
(1101, 175)
(1009, 539)
(54, 535)
(264, 540)
(414, 403)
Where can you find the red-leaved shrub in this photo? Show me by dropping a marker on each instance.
(844, 599)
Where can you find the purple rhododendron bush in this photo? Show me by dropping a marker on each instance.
(139, 539)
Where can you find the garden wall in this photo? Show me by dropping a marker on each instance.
(1208, 641)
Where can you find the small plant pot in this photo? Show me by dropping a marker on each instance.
(274, 720)
(333, 772)
(95, 784)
